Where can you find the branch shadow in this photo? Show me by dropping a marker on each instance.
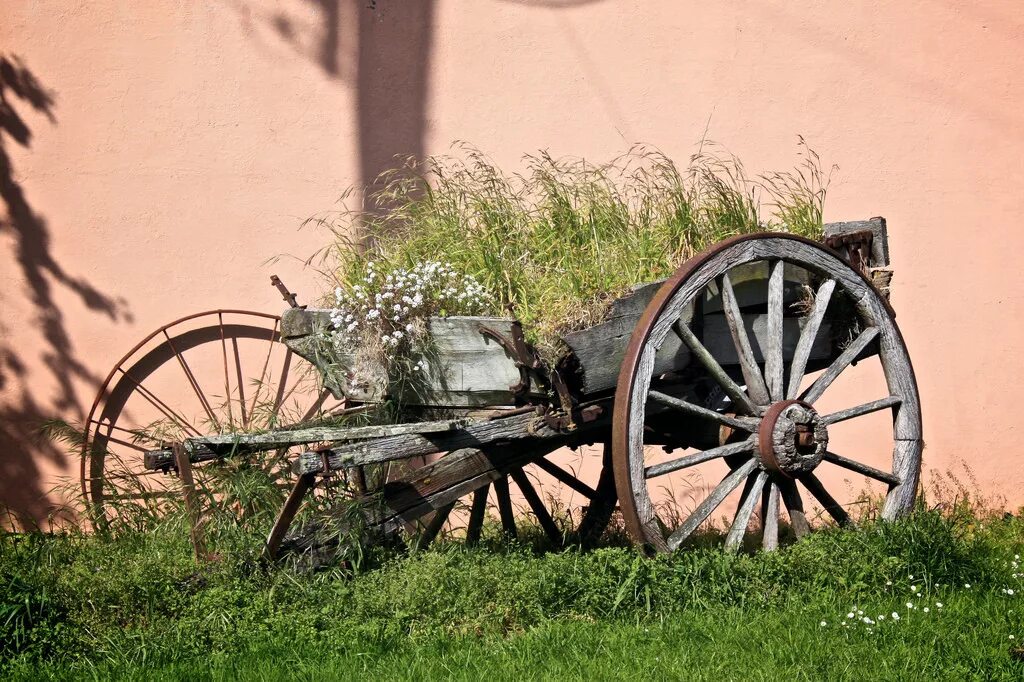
(22, 413)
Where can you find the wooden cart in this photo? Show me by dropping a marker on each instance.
(725, 360)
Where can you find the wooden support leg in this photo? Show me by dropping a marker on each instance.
(188, 484)
(287, 514)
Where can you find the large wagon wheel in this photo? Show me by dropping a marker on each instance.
(219, 371)
(767, 428)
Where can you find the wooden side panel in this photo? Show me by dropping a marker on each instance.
(466, 369)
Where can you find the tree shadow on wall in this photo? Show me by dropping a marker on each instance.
(41, 277)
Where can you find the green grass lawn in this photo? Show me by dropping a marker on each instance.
(136, 607)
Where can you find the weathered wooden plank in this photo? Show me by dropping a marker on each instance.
(711, 502)
(523, 428)
(879, 240)
(271, 440)
(465, 368)
(743, 514)
(505, 511)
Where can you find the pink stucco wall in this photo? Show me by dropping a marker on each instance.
(187, 141)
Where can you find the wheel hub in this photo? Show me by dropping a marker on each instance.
(792, 438)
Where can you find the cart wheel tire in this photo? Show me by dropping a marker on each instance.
(773, 438)
(193, 375)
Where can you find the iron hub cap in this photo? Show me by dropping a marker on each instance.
(792, 438)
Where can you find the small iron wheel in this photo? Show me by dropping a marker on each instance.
(762, 393)
(220, 371)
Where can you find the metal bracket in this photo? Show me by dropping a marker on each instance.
(288, 296)
(855, 247)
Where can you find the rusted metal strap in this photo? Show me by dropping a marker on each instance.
(855, 247)
(288, 296)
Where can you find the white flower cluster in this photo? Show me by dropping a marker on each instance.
(393, 306)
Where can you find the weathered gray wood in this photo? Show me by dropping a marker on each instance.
(906, 465)
(731, 388)
(794, 506)
(739, 525)
(699, 457)
(465, 369)
(434, 526)
(505, 511)
(879, 241)
(741, 340)
(859, 410)
(476, 515)
(864, 469)
(815, 488)
(770, 520)
(773, 360)
(524, 428)
(196, 521)
(745, 424)
(286, 516)
(807, 337)
(849, 354)
(537, 505)
(271, 440)
(710, 503)
(563, 476)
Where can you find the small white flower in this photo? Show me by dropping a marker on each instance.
(910, 605)
(880, 617)
(823, 623)
(1012, 637)
(888, 583)
(967, 585)
(913, 588)
(895, 616)
(938, 605)
(850, 614)
(926, 609)
(859, 612)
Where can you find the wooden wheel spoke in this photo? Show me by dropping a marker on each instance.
(731, 388)
(227, 384)
(160, 405)
(770, 519)
(845, 359)
(748, 362)
(773, 362)
(699, 457)
(505, 511)
(537, 505)
(794, 506)
(864, 469)
(435, 525)
(860, 410)
(815, 488)
(476, 515)
(745, 424)
(563, 476)
(745, 511)
(710, 503)
(808, 335)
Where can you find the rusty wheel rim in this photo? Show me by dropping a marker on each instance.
(216, 371)
(757, 391)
